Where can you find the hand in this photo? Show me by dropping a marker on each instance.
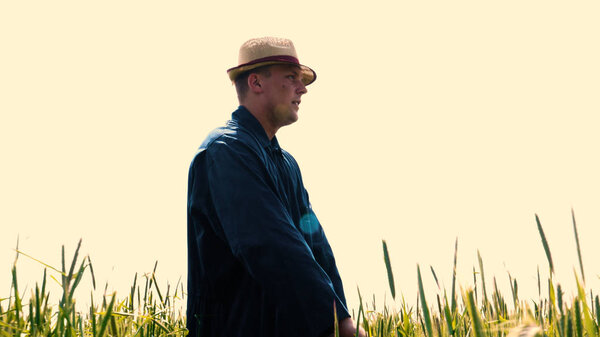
(348, 329)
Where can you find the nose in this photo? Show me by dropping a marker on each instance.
(302, 88)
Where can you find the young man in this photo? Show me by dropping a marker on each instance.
(259, 263)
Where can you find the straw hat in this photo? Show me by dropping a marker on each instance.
(264, 51)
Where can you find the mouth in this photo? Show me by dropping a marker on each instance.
(296, 103)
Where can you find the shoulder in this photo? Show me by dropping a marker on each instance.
(230, 134)
(231, 139)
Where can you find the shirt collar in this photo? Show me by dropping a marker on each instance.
(244, 118)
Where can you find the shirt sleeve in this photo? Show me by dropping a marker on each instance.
(262, 235)
(324, 254)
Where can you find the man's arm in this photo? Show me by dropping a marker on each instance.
(315, 235)
(324, 256)
(261, 234)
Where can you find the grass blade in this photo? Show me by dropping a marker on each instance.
(483, 289)
(17, 305)
(545, 243)
(435, 277)
(578, 247)
(92, 272)
(360, 311)
(588, 321)
(454, 276)
(335, 321)
(578, 320)
(388, 267)
(476, 321)
(426, 315)
(514, 290)
(107, 316)
(74, 262)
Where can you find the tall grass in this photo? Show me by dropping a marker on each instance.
(149, 310)
(464, 315)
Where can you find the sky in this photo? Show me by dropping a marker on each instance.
(429, 121)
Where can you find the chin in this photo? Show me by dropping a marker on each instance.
(286, 115)
(289, 121)
(294, 118)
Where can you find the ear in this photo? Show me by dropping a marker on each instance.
(255, 83)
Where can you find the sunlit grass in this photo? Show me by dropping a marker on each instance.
(466, 315)
(466, 312)
(147, 311)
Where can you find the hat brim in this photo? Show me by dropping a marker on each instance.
(308, 75)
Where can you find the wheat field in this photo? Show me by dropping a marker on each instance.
(148, 310)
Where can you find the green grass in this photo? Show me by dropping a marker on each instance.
(466, 316)
(147, 311)
(150, 311)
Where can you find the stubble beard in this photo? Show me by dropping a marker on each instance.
(285, 115)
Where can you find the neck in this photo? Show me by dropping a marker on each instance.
(261, 116)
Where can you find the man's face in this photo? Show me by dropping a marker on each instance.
(283, 90)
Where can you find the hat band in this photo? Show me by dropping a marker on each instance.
(276, 58)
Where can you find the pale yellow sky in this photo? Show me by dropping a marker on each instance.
(429, 120)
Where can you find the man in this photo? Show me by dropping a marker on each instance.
(259, 263)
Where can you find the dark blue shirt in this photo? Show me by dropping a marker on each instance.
(259, 263)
